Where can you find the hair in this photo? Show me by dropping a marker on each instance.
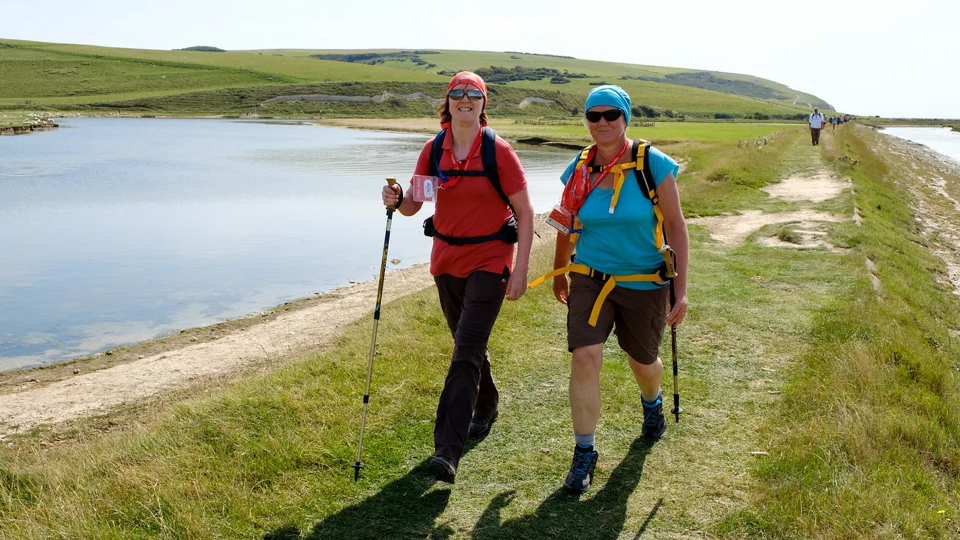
(446, 117)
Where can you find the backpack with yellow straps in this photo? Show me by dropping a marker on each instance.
(667, 270)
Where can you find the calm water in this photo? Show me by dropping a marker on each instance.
(114, 231)
(941, 140)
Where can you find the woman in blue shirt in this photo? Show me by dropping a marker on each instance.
(618, 279)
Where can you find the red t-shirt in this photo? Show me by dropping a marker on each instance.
(472, 207)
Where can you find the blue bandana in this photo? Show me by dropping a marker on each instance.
(610, 95)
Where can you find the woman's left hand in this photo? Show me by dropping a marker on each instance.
(516, 285)
(676, 315)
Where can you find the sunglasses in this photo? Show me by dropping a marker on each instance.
(473, 95)
(610, 116)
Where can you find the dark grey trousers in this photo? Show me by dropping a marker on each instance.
(471, 306)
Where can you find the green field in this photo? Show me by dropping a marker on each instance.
(659, 132)
(10, 119)
(597, 71)
(91, 78)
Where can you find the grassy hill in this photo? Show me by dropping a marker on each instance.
(91, 78)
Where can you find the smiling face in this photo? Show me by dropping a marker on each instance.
(605, 132)
(464, 110)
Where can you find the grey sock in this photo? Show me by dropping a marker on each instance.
(584, 441)
(651, 402)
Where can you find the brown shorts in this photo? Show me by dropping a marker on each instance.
(639, 316)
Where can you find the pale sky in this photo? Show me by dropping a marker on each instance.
(892, 58)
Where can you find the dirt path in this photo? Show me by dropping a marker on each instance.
(807, 188)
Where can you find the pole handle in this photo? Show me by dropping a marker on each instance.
(391, 182)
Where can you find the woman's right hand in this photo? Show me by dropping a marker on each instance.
(561, 288)
(390, 195)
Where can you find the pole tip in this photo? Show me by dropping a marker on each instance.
(356, 471)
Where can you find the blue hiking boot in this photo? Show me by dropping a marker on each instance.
(654, 424)
(581, 470)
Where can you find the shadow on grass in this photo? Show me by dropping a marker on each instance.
(407, 508)
(563, 515)
(403, 509)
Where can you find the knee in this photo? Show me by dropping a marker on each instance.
(647, 370)
(588, 359)
(472, 354)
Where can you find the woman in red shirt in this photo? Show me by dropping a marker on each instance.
(473, 231)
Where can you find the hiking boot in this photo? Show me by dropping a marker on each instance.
(581, 470)
(480, 426)
(654, 424)
(442, 469)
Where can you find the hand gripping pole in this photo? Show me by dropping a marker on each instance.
(373, 341)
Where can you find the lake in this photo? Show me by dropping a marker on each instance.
(114, 231)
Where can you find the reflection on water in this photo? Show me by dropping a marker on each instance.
(114, 231)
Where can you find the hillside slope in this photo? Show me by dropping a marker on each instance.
(86, 77)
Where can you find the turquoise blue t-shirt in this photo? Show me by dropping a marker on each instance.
(622, 243)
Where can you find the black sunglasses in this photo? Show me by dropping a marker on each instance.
(610, 116)
(473, 95)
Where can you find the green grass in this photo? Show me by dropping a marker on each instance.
(10, 119)
(42, 74)
(681, 138)
(867, 442)
(279, 66)
(815, 408)
(727, 178)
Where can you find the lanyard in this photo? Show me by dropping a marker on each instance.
(578, 188)
(608, 168)
(446, 183)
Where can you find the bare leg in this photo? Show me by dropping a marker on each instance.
(648, 377)
(585, 388)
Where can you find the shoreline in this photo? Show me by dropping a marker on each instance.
(208, 355)
(26, 130)
(123, 354)
(72, 389)
(922, 151)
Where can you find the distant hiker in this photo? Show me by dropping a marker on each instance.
(622, 197)
(482, 209)
(816, 122)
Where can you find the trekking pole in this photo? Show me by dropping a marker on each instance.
(670, 261)
(673, 339)
(373, 341)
